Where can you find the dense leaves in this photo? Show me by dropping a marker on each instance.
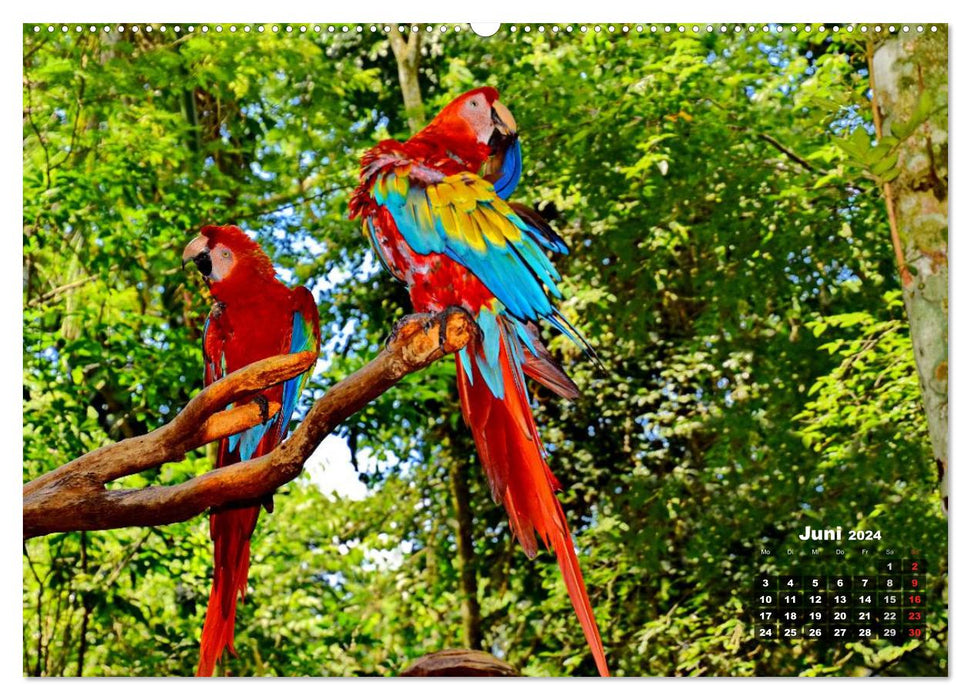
(730, 262)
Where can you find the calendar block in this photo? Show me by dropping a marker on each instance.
(885, 601)
(913, 582)
(889, 582)
(765, 632)
(891, 617)
(914, 631)
(766, 584)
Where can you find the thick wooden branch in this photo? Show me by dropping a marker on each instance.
(73, 497)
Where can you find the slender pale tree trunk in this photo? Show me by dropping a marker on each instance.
(903, 69)
(407, 53)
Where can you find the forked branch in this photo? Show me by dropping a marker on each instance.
(74, 497)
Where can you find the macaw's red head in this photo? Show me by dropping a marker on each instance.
(228, 259)
(473, 126)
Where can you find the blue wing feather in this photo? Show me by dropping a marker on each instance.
(250, 439)
(466, 363)
(300, 340)
(376, 247)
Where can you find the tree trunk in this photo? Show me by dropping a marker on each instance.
(471, 614)
(407, 53)
(903, 69)
(86, 603)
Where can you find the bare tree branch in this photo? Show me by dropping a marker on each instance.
(73, 497)
(786, 152)
(279, 202)
(60, 290)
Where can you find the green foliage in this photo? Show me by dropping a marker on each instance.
(728, 262)
(879, 161)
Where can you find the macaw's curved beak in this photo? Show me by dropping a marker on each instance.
(505, 164)
(504, 132)
(198, 252)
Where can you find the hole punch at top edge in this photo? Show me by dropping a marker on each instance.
(485, 28)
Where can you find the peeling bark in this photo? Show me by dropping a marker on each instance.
(903, 68)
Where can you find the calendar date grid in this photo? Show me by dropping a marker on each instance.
(888, 602)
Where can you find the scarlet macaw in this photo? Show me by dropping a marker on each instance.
(254, 316)
(451, 237)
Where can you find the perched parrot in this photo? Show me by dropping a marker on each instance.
(254, 316)
(449, 234)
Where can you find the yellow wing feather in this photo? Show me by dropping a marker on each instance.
(465, 206)
(501, 227)
(469, 232)
(470, 211)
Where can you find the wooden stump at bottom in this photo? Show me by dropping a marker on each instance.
(459, 662)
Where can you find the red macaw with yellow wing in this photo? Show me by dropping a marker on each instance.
(449, 234)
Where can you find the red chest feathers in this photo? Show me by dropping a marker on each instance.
(437, 282)
(434, 281)
(245, 331)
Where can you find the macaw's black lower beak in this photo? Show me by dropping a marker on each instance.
(203, 262)
(501, 140)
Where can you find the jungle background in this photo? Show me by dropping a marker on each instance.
(730, 260)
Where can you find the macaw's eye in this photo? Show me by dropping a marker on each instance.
(474, 103)
(226, 253)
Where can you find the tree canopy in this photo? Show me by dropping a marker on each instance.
(731, 261)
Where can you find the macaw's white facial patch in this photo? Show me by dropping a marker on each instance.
(222, 262)
(477, 113)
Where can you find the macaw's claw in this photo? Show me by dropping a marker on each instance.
(217, 310)
(264, 405)
(394, 330)
(443, 324)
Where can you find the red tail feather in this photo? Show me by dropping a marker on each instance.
(230, 531)
(512, 453)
